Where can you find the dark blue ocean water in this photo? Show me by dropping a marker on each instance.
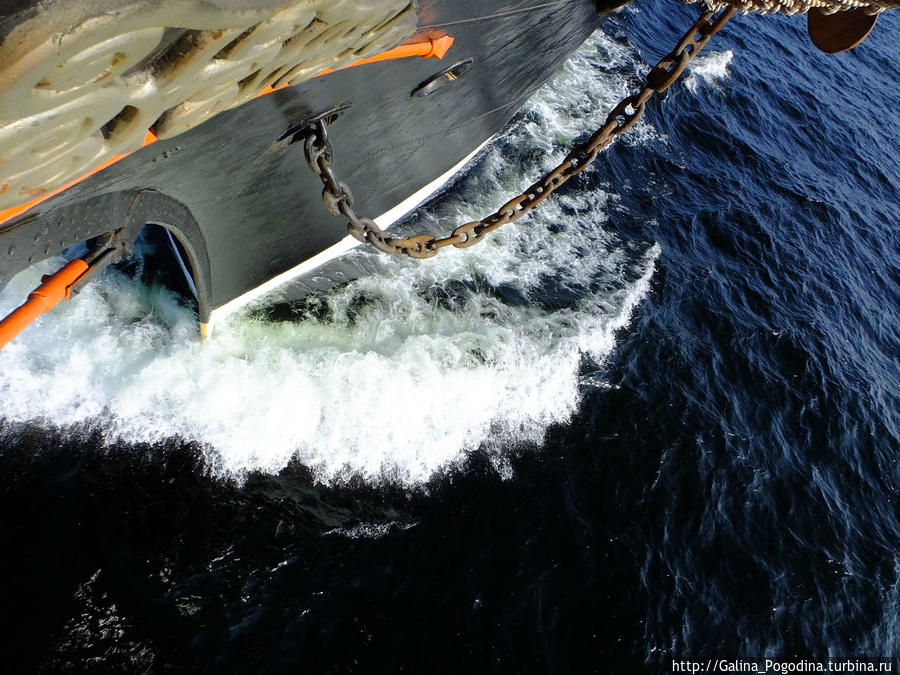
(721, 482)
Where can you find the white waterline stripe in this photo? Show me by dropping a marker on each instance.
(383, 221)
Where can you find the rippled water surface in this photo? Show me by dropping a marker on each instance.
(656, 420)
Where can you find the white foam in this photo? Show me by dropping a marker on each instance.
(413, 366)
(710, 69)
(369, 530)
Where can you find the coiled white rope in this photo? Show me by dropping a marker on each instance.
(803, 6)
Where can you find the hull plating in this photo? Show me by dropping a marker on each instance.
(236, 190)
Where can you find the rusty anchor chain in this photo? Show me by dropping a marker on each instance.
(338, 198)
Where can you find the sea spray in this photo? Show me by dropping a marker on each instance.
(462, 344)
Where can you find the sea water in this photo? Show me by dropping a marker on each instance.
(655, 420)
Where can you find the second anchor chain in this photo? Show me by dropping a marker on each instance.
(339, 200)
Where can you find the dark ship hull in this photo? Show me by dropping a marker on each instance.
(236, 191)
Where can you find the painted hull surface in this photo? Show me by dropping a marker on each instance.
(236, 190)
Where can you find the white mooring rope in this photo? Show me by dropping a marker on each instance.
(803, 6)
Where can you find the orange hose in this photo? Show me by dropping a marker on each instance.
(51, 292)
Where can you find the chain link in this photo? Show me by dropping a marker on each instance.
(339, 200)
